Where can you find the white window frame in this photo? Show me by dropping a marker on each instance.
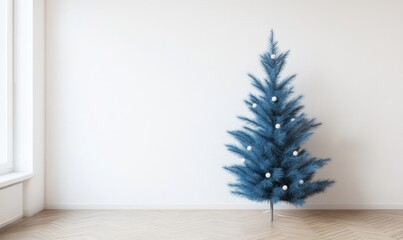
(8, 166)
(28, 68)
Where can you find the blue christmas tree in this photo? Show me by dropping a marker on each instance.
(274, 167)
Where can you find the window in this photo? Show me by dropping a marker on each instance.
(6, 86)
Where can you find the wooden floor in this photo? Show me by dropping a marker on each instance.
(207, 224)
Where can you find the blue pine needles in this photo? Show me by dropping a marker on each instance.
(273, 165)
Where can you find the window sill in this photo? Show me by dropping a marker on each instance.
(9, 179)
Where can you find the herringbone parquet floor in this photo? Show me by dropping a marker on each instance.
(206, 224)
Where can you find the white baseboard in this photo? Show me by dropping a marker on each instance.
(10, 221)
(222, 206)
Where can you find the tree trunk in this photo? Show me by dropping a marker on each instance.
(271, 211)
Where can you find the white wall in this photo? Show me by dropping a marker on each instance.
(140, 95)
(34, 189)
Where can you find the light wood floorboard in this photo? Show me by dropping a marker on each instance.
(207, 224)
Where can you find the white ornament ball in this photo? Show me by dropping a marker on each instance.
(301, 181)
(243, 160)
(292, 119)
(274, 98)
(285, 187)
(273, 56)
(277, 126)
(254, 105)
(249, 148)
(268, 175)
(295, 153)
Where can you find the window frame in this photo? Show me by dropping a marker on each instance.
(7, 167)
(28, 116)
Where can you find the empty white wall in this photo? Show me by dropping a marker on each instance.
(140, 95)
(34, 189)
